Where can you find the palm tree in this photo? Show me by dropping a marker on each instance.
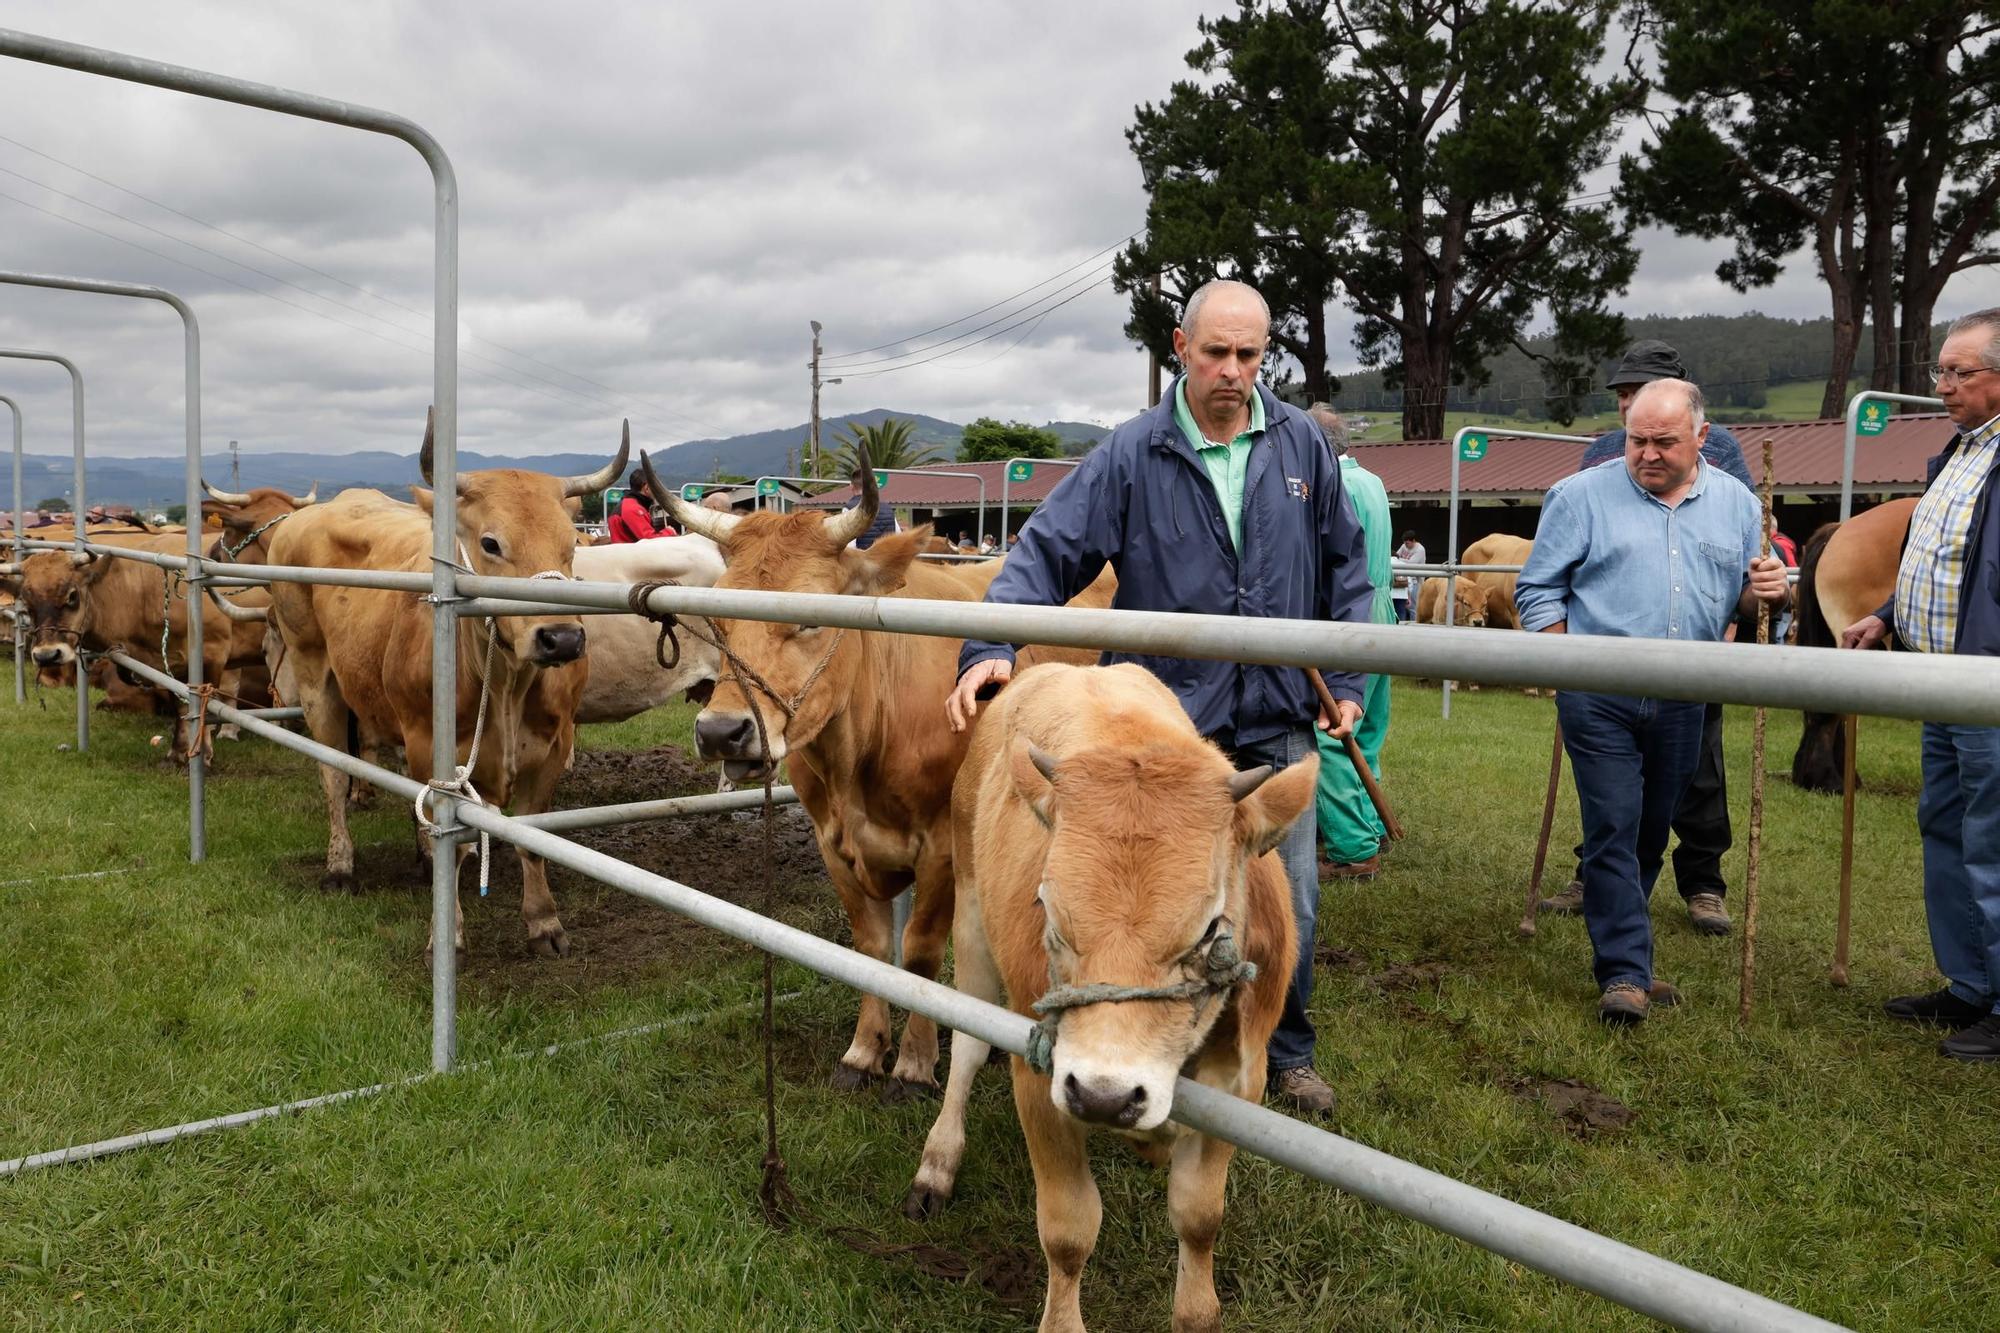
(889, 446)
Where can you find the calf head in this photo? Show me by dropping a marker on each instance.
(1145, 887)
(512, 524)
(53, 592)
(807, 671)
(1471, 599)
(248, 516)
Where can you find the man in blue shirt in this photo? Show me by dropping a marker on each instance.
(1226, 501)
(1660, 546)
(1701, 824)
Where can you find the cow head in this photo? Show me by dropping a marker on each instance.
(802, 552)
(248, 517)
(1147, 868)
(53, 591)
(512, 524)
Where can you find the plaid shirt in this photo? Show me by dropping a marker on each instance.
(1933, 566)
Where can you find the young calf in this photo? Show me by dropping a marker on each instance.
(1113, 866)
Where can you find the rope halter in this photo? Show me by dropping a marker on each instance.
(1223, 969)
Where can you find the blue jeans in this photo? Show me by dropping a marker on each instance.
(1292, 1043)
(1633, 759)
(1959, 817)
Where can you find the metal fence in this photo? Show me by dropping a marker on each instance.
(1944, 689)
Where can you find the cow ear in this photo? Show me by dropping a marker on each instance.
(883, 567)
(421, 497)
(1266, 815)
(1034, 784)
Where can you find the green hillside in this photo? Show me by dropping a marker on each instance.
(1796, 401)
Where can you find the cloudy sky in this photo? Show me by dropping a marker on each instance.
(656, 199)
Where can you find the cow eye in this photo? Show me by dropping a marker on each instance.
(1208, 936)
(804, 631)
(491, 545)
(72, 599)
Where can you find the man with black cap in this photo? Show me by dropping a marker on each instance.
(1701, 821)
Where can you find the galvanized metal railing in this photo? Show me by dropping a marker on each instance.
(77, 505)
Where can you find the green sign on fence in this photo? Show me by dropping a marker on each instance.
(613, 495)
(1020, 471)
(691, 492)
(881, 478)
(1874, 418)
(767, 486)
(1472, 446)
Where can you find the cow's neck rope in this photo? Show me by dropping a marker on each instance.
(1223, 969)
(460, 782)
(746, 678)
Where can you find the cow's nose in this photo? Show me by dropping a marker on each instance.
(558, 643)
(723, 735)
(1092, 1100)
(47, 656)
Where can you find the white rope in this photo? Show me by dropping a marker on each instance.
(460, 782)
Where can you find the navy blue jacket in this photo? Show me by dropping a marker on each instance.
(1978, 633)
(884, 524)
(1720, 449)
(1143, 503)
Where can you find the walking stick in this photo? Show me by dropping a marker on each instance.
(1851, 721)
(1753, 856)
(1528, 910)
(1360, 761)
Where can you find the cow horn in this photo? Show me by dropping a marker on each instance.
(710, 523)
(1044, 762)
(430, 446)
(845, 527)
(311, 497)
(589, 483)
(81, 558)
(1249, 780)
(235, 612)
(224, 497)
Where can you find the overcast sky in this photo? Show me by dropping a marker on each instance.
(656, 198)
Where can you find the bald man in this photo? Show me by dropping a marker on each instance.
(1225, 501)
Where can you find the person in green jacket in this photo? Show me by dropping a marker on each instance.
(1349, 829)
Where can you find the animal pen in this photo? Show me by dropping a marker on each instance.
(1940, 689)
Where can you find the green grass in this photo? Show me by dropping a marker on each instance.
(1821, 1156)
(1796, 401)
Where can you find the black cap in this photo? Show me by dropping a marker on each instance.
(1645, 362)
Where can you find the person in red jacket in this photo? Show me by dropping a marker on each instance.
(633, 520)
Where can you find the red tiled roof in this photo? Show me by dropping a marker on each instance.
(940, 492)
(1806, 456)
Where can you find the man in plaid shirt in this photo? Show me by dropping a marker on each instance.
(1947, 600)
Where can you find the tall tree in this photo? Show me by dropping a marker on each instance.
(1417, 156)
(1861, 130)
(989, 441)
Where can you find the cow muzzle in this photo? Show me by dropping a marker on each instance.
(53, 654)
(556, 644)
(1104, 1098)
(732, 739)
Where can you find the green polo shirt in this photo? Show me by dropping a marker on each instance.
(1228, 464)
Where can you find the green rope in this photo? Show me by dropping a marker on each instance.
(1225, 969)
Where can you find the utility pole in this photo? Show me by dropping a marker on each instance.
(817, 385)
(1153, 363)
(235, 469)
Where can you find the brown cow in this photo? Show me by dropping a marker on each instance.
(1470, 597)
(858, 720)
(363, 654)
(1101, 842)
(1846, 570)
(1499, 549)
(247, 518)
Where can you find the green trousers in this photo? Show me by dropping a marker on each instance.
(1348, 824)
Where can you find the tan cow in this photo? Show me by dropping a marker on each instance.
(1469, 596)
(363, 655)
(1499, 549)
(1101, 842)
(858, 719)
(248, 517)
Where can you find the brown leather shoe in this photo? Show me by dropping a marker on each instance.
(1622, 1004)
(1303, 1092)
(1567, 903)
(1361, 870)
(1707, 914)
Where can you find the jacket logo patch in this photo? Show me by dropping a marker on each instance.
(1298, 488)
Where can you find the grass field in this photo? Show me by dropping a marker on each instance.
(1821, 1156)
(1797, 401)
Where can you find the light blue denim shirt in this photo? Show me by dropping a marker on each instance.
(1609, 558)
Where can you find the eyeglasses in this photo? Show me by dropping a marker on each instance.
(1943, 375)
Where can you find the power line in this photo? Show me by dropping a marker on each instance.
(330, 277)
(989, 337)
(1098, 273)
(843, 356)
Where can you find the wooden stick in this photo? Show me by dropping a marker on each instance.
(1528, 911)
(1847, 784)
(1753, 853)
(1359, 760)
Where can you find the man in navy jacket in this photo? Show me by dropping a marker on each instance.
(1225, 501)
(1947, 600)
